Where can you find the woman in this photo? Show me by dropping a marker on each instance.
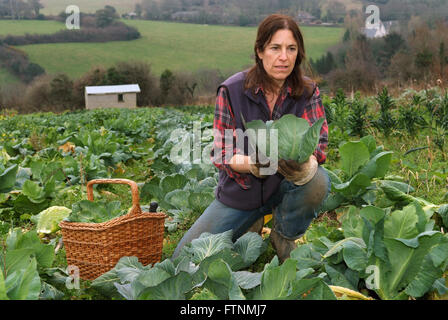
(274, 86)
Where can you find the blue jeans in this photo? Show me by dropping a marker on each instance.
(293, 208)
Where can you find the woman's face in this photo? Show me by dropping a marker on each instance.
(279, 56)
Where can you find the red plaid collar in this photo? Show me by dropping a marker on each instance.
(285, 91)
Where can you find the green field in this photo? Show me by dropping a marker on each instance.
(387, 207)
(174, 46)
(56, 6)
(21, 27)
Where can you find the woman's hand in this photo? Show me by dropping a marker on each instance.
(257, 162)
(255, 169)
(247, 164)
(298, 173)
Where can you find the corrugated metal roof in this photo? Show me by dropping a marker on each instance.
(126, 88)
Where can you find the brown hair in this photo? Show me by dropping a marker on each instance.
(257, 76)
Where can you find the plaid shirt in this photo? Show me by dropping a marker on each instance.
(224, 119)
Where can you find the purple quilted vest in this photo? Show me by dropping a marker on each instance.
(251, 107)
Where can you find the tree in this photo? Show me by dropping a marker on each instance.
(443, 58)
(324, 64)
(61, 92)
(37, 95)
(114, 77)
(105, 17)
(170, 6)
(360, 72)
(138, 10)
(244, 20)
(346, 36)
(353, 22)
(423, 60)
(32, 70)
(335, 11)
(96, 76)
(391, 44)
(36, 6)
(401, 66)
(166, 83)
(4, 11)
(284, 4)
(152, 9)
(140, 73)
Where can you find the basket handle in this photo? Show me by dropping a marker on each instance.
(134, 190)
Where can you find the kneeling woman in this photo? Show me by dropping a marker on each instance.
(273, 87)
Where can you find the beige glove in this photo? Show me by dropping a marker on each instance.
(255, 169)
(255, 166)
(298, 173)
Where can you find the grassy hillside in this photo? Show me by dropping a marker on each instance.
(172, 46)
(350, 4)
(20, 27)
(122, 6)
(56, 6)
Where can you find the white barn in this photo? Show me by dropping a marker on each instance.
(121, 96)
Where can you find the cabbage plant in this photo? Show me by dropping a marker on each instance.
(48, 220)
(296, 139)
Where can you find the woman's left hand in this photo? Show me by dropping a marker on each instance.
(298, 173)
(255, 169)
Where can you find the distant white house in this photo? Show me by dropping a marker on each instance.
(122, 96)
(130, 15)
(380, 30)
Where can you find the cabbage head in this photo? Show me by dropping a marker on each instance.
(297, 140)
(48, 220)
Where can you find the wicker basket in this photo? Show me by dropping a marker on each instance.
(95, 248)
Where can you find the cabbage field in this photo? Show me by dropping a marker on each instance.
(381, 234)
